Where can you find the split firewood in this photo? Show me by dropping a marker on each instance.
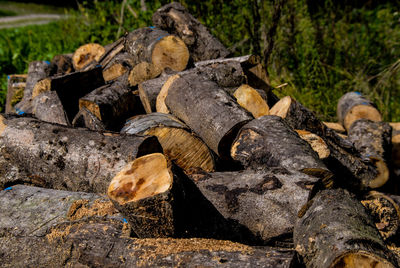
(353, 106)
(270, 142)
(344, 159)
(161, 107)
(208, 110)
(180, 145)
(384, 211)
(176, 19)
(112, 104)
(149, 90)
(66, 158)
(62, 64)
(251, 100)
(15, 91)
(373, 142)
(157, 47)
(48, 107)
(265, 202)
(336, 231)
(84, 118)
(316, 143)
(335, 126)
(86, 54)
(142, 72)
(37, 70)
(71, 87)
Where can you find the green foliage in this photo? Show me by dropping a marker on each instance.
(320, 52)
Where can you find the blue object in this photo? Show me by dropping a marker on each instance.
(19, 112)
(358, 93)
(8, 77)
(365, 103)
(8, 188)
(46, 61)
(125, 220)
(98, 65)
(152, 27)
(159, 38)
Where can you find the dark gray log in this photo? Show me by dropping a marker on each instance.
(15, 91)
(208, 110)
(84, 118)
(176, 19)
(266, 202)
(336, 231)
(48, 107)
(268, 141)
(37, 70)
(112, 104)
(353, 106)
(62, 64)
(66, 158)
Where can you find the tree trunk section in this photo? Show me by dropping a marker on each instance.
(62, 64)
(48, 107)
(179, 144)
(37, 70)
(148, 92)
(118, 66)
(142, 72)
(353, 106)
(270, 142)
(157, 47)
(336, 232)
(251, 100)
(66, 158)
(316, 143)
(86, 54)
(177, 20)
(208, 110)
(15, 91)
(84, 118)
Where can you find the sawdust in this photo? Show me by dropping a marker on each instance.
(82, 208)
(57, 233)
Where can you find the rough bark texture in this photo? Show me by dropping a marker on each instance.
(176, 19)
(84, 118)
(335, 229)
(270, 142)
(266, 202)
(157, 47)
(15, 90)
(64, 158)
(180, 145)
(37, 70)
(48, 107)
(208, 110)
(112, 51)
(62, 64)
(353, 106)
(112, 104)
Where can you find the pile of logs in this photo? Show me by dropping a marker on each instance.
(162, 150)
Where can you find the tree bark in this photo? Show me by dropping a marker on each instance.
(176, 19)
(270, 142)
(66, 158)
(48, 107)
(155, 46)
(353, 106)
(15, 90)
(37, 70)
(84, 118)
(62, 64)
(148, 92)
(179, 144)
(208, 110)
(112, 104)
(336, 232)
(266, 202)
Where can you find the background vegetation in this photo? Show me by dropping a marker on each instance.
(321, 49)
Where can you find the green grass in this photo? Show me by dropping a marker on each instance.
(7, 13)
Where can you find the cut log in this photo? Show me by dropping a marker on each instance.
(158, 48)
(62, 64)
(384, 211)
(266, 202)
(86, 54)
(48, 107)
(15, 91)
(270, 142)
(316, 143)
(335, 126)
(353, 106)
(148, 92)
(351, 171)
(161, 107)
(176, 19)
(142, 72)
(336, 232)
(373, 142)
(251, 100)
(37, 70)
(112, 104)
(118, 66)
(84, 118)
(71, 87)
(208, 110)
(179, 144)
(112, 51)
(66, 158)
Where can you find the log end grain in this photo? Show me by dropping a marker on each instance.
(281, 108)
(142, 72)
(41, 86)
(114, 71)
(250, 99)
(360, 259)
(361, 111)
(86, 54)
(316, 142)
(382, 173)
(144, 177)
(160, 102)
(170, 52)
